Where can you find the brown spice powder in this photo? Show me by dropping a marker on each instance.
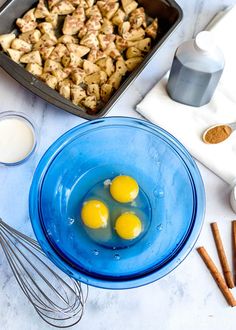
(217, 134)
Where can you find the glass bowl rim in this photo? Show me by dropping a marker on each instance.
(48, 159)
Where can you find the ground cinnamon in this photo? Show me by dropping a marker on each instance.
(217, 134)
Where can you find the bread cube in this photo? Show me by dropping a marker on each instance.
(90, 67)
(112, 51)
(29, 16)
(133, 62)
(129, 7)
(14, 54)
(99, 78)
(68, 71)
(108, 8)
(152, 29)
(64, 88)
(77, 94)
(71, 25)
(32, 57)
(60, 74)
(90, 40)
(106, 64)
(115, 80)
(105, 40)
(34, 68)
(95, 54)
(67, 39)
(133, 52)
(6, 40)
(51, 65)
(59, 51)
(49, 79)
(52, 3)
(121, 43)
(53, 19)
(48, 40)
(106, 92)
(78, 49)
(94, 89)
(134, 34)
(138, 18)
(93, 24)
(125, 3)
(121, 67)
(107, 27)
(82, 32)
(79, 13)
(41, 10)
(46, 27)
(63, 7)
(90, 102)
(77, 75)
(46, 52)
(75, 61)
(143, 45)
(93, 12)
(25, 26)
(123, 28)
(32, 37)
(21, 45)
(90, 3)
(119, 17)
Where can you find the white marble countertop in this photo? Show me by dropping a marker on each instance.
(185, 299)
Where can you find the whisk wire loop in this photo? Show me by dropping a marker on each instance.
(58, 299)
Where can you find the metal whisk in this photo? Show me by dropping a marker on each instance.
(58, 299)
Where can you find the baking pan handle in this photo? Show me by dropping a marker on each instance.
(38, 87)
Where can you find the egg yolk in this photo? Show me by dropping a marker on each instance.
(94, 214)
(124, 189)
(128, 226)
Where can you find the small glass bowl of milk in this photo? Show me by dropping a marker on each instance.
(17, 138)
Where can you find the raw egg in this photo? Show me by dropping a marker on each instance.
(124, 189)
(128, 226)
(94, 214)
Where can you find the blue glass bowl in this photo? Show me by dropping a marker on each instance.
(93, 152)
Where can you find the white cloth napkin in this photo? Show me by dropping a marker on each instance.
(187, 123)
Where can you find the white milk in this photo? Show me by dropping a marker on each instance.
(16, 139)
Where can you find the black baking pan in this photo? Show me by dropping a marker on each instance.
(169, 16)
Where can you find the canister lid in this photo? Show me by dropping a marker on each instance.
(204, 41)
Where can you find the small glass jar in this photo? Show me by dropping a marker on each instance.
(18, 138)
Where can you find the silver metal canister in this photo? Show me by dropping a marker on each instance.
(196, 70)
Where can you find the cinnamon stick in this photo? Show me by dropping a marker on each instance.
(217, 276)
(222, 256)
(234, 246)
